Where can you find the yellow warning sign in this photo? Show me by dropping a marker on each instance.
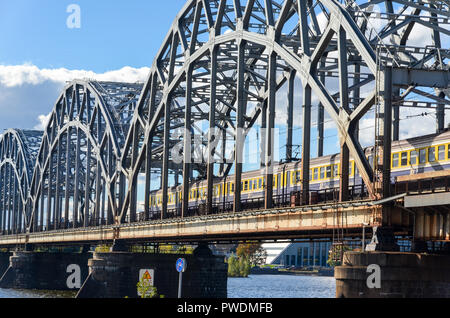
(147, 276)
(146, 279)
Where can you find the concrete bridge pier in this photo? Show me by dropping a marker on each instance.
(382, 271)
(45, 271)
(4, 261)
(393, 275)
(117, 273)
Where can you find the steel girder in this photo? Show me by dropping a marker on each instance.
(18, 153)
(224, 61)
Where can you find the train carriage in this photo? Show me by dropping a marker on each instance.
(409, 157)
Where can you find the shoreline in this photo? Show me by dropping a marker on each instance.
(271, 271)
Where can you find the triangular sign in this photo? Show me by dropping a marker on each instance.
(147, 276)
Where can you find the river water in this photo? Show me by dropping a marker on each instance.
(282, 286)
(256, 286)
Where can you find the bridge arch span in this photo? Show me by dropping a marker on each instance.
(224, 64)
(18, 152)
(75, 178)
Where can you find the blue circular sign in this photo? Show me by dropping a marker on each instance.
(181, 265)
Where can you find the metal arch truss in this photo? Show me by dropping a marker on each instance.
(18, 152)
(75, 181)
(220, 72)
(223, 63)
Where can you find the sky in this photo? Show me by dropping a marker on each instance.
(39, 53)
(116, 41)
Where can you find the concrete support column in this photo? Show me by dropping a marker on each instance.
(401, 275)
(116, 275)
(44, 271)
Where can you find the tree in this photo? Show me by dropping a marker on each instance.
(233, 266)
(247, 250)
(254, 252)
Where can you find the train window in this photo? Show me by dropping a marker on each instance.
(422, 156)
(298, 176)
(316, 173)
(350, 169)
(260, 183)
(232, 188)
(328, 175)
(441, 153)
(322, 173)
(395, 158)
(432, 154)
(335, 170)
(404, 160)
(311, 174)
(413, 157)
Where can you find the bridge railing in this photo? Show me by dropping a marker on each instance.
(423, 185)
(288, 200)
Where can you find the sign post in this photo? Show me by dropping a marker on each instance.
(181, 268)
(146, 278)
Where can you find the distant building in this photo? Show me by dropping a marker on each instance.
(301, 254)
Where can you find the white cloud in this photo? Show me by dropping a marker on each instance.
(43, 121)
(28, 92)
(17, 75)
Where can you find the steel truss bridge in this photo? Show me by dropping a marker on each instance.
(224, 66)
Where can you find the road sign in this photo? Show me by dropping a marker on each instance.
(181, 268)
(147, 278)
(181, 265)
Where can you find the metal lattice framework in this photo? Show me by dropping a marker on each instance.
(75, 180)
(225, 61)
(220, 72)
(18, 153)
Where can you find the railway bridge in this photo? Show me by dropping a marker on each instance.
(227, 71)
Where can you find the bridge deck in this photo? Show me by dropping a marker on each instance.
(309, 221)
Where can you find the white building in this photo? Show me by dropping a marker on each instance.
(302, 254)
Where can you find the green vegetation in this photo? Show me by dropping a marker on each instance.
(238, 267)
(247, 256)
(103, 249)
(146, 290)
(336, 254)
(157, 249)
